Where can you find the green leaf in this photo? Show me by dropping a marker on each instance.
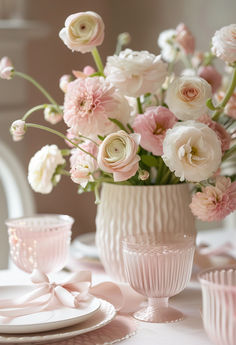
(150, 161)
(118, 123)
(88, 188)
(101, 137)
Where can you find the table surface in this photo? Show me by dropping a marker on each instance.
(187, 332)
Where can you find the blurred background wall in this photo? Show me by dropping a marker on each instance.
(29, 34)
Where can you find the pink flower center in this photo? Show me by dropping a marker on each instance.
(188, 94)
(86, 104)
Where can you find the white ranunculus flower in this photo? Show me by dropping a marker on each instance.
(192, 151)
(224, 43)
(42, 167)
(83, 31)
(186, 97)
(135, 73)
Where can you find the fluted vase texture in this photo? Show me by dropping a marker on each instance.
(130, 210)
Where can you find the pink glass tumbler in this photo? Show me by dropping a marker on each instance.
(40, 241)
(158, 267)
(219, 304)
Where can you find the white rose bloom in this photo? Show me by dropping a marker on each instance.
(186, 97)
(166, 42)
(135, 73)
(224, 43)
(192, 151)
(42, 167)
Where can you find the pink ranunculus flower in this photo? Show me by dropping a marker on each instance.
(117, 154)
(220, 131)
(18, 129)
(83, 165)
(214, 203)
(152, 125)
(6, 68)
(89, 103)
(64, 81)
(83, 31)
(230, 108)
(212, 76)
(185, 38)
(224, 43)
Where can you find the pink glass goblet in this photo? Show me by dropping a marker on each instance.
(40, 241)
(158, 267)
(219, 304)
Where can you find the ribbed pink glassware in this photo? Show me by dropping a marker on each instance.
(158, 267)
(40, 241)
(219, 304)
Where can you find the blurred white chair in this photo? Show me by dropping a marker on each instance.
(16, 198)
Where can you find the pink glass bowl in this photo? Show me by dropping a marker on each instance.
(219, 304)
(40, 241)
(158, 267)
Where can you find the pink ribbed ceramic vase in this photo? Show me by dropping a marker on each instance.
(131, 210)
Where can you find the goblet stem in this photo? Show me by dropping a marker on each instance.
(158, 310)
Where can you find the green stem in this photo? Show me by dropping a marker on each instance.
(139, 104)
(32, 110)
(225, 100)
(59, 134)
(87, 138)
(64, 172)
(38, 86)
(172, 63)
(98, 61)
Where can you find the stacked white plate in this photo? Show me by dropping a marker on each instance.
(57, 324)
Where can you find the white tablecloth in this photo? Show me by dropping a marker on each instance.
(187, 332)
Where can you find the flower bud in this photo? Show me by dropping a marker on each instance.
(143, 175)
(18, 129)
(64, 81)
(51, 115)
(6, 68)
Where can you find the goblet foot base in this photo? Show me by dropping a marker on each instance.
(159, 315)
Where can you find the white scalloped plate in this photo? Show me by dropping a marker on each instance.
(102, 317)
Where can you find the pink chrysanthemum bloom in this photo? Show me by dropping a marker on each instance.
(152, 125)
(82, 164)
(215, 202)
(220, 131)
(89, 103)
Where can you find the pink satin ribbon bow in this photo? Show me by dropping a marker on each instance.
(70, 293)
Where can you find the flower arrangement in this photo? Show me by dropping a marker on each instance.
(136, 121)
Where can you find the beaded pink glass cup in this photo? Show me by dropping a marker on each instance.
(158, 267)
(40, 241)
(219, 304)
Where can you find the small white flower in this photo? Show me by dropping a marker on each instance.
(166, 41)
(192, 150)
(224, 43)
(186, 97)
(42, 167)
(135, 73)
